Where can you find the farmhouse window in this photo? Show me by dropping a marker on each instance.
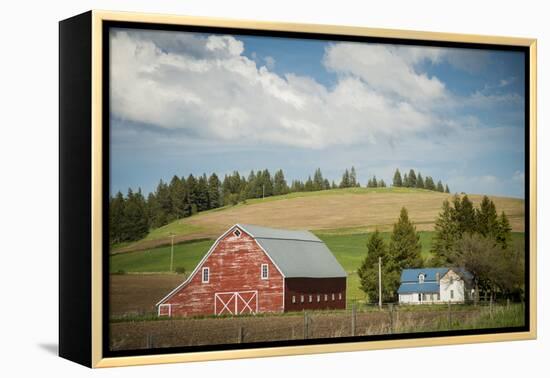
(419, 297)
(293, 299)
(265, 272)
(421, 278)
(301, 298)
(326, 297)
(310, 298)
(237, 233)
(205, 275)
(438, 296)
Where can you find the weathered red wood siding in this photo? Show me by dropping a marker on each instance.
(234, 265)
(317, 288)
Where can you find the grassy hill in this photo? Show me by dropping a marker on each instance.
(330, 212)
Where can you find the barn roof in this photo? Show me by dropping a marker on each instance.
(296, 253)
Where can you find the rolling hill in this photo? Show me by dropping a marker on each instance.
(337, 211)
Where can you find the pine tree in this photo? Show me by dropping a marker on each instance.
(326, 184)
(178, 196)
(345, 183)
(397, 181)
(308, 187)
(406, 180)
(504, 231)
(446, 234)
(353, 178)
(429, 183)
(202, 198)
(374, 182)
(116, 218)
(214, 191)
(412, 179)
(279, 183)
(317, 180)
(419, 181)
(381, 184)
(464, 214)
(368, 271)
(447, 189)
(405, 247)
(333, 185)
(440, 187)
(487, 218)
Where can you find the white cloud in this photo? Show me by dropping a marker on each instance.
(519, 176)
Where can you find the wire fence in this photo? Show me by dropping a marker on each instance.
(359, 319)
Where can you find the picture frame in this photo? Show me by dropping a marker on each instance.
(85, 175)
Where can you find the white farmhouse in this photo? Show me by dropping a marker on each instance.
(435, 285)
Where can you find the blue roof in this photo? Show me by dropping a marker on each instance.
(426, 287)
(411, 275)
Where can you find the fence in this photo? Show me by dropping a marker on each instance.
(360, 319)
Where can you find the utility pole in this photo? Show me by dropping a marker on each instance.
(172, 254)
(380, 282)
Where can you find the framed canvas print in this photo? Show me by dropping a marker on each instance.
(235, 189)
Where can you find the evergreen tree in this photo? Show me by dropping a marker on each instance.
(345, 183)
(353, 178)
(368, 271)
(406, 181)
(333, 185)
(202, 197)
(412, 179)
(487, 218)
(214, 191)
(429, 183)
(446, 234)
(397, 181)
(192, 193)
(317, 180)
(268, 184)
(447, 189)
(405, 247)
(419, 181)
(279, 183)
(135, 225)
(178, 197)
(308, 187)
(440, 187)
(504, 231)
(374, 182)
(326, 184)
(381, 184)
(116, 218)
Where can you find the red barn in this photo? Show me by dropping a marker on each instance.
(252, 269)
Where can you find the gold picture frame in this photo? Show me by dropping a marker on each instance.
(91, 24)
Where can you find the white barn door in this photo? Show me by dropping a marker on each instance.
(236, 303)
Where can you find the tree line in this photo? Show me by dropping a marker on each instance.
(413, 180)
(132, 215)
(477, 239)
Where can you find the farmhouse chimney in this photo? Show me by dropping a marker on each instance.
(437, 277)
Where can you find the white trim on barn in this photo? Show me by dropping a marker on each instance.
(169, 309)
(235, 296)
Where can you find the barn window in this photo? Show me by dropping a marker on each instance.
(310, 298)
(302, 298)
(339, 296)
(326, 297)
(205, 275)
(318, 297)
(332, 296)
(293, 299)
(237, 232)
(265, 272)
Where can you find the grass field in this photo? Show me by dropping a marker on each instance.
(355, 210)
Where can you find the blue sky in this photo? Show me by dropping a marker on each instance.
(186, 103)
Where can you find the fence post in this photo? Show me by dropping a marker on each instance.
(507, 303)
(240, 335)
(491, 306)
(353, 318)
(391, 317)
(149, 341)
(449, 315)
(306, 326)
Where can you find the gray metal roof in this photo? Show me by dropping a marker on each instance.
(296, 253)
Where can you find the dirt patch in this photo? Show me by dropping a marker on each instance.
(137, 294)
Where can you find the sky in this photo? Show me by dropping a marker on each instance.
(189, 103)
